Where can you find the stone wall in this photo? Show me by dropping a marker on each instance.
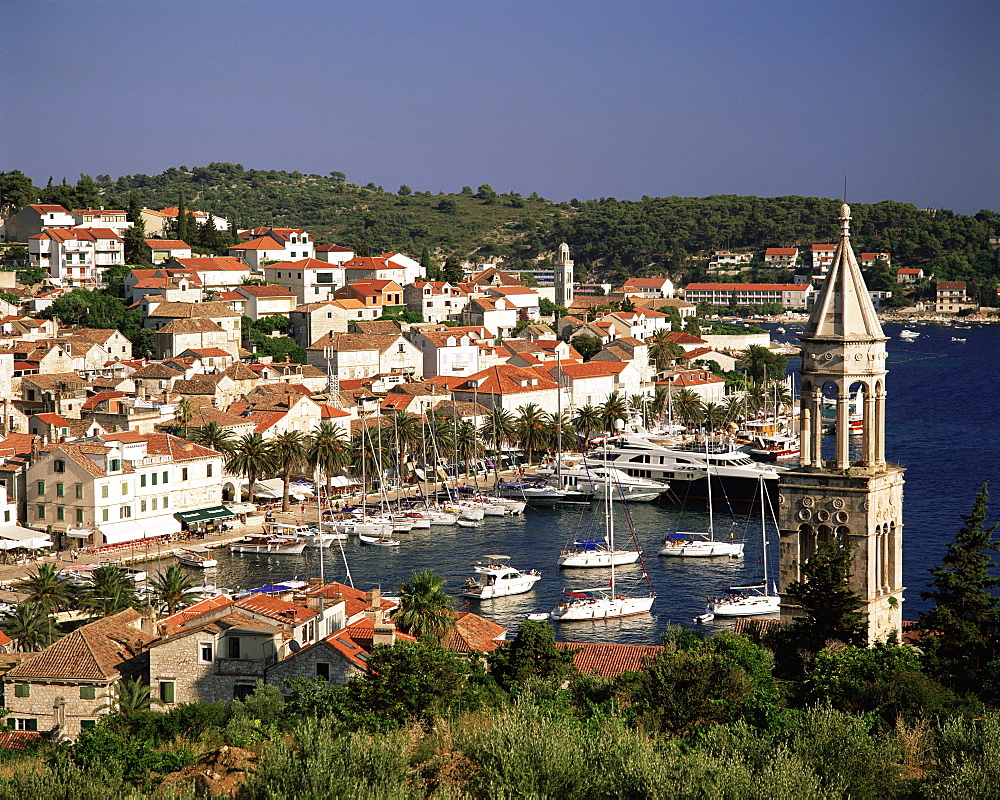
(303, 665)
(44, 699)
(736, 341)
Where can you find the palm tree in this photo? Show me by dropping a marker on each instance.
(688, 406)
(756, 397)
(252, 456)
(290, 450)
(532, 433)
(500, 429)
(637, 407)
(612, 410)
(30, 627)
(363, 448)
(408, 428)
(755, 360)
(470, 446)
(658, 405)
(569, 436)
(172, 588)
(128, 697)
(327, 450)
(714, 414)
(662, 350)
(213, 436)
(112, 590)
(46, 590)
(588, 422)
(183, 416)
(425, 609)
(735, 407)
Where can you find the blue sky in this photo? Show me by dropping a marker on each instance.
(569, 99)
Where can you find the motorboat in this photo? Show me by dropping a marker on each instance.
(364, 526)
(539, 494)
(512, 505)
(774, 448)
(316, 539)
(957, 339)
(379, 541)
(197, 557)
(595, 553)
(686, 466)
(267, 543)
(578, 476)
(907, 334)
(466, 523)
(495, 577)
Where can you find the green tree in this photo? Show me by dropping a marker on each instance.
(485, 192)
(290, 455)
(532, 654)
(425, 609)
(181, 225)
(172, 588)
(428, 266)
(252, 456)
(16, 192)
(128, 697)
(213, 436)
(662, 350)
(30, 626)
(612, 411)
(410, 681)
(588, 421)
(499, 430)
(87, 195)
(47, 590)
(532, 430)
(688, 406)
(404, 191)
(961, 638)
(587, 345)
(468, 443)
(830, 608)
(112, 590)
(327, 450)
(453, 272)
(759, 363)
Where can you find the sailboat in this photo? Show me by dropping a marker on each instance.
(604, 602)
(689, 544)
(747, 605)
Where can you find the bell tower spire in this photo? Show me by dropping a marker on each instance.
(850, 494)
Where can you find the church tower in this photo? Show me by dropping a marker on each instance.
(564, 277)
(854, 498)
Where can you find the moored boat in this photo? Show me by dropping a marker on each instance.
(496, 578)
(199, 558)
(265, 543)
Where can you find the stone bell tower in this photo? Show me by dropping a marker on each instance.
(564, 276)
(854, 501)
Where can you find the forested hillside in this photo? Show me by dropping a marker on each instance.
(610, 238)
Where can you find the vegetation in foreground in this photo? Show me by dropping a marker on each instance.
(808, 712)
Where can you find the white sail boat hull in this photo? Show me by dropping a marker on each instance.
(748, 606)
(701, 549)
(598, 558)
(604, 607)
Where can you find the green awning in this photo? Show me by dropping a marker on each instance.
(205, 514)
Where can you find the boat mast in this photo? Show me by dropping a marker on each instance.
(319, 525)
(559, 421)
(609, 516)
(763, 530)
(711, 512)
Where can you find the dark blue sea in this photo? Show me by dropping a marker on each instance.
(943, 425)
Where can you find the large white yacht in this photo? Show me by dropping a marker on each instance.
(686, 466)
(576, 475)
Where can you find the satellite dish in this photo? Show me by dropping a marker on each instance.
(294, 646)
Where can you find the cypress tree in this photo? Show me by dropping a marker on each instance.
(831, 607)
(961, 633)
(182, 219)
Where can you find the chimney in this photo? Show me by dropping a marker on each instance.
(383, 633)
(148, 621)
(374, 610)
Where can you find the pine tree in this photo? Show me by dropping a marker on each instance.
(829, 604)
(962, 630)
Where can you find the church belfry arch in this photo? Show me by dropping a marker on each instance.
(854, 498)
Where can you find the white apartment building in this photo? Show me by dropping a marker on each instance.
(790, 295)
(309, 279)
(76, 256)
(114, 218)
(121, 487)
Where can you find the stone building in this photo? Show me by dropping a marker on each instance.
(830, 497)
(65, 688)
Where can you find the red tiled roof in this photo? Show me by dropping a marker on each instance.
(473, 634)
(167, 244)
(506, 379)
(609, 660)
(263, 243)
(823, 247)
(908, 271)
(781, 251)
(763, 287)
(266, 291)
(275, 608)
(332, 248)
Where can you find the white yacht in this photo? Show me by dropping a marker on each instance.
(744, 605)
(686, 544)
(599, 603)
(198, 557)
(577, 475)
(495, 577)
(686, 466)
(266, 543)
